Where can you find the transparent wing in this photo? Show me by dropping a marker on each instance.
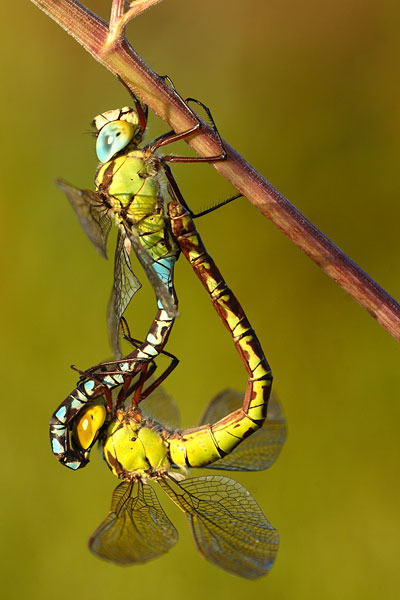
(125, 285)
(161, 407)
(91, 214)
(261, 449)
(160, 289)
(228, 526)
(136, 529)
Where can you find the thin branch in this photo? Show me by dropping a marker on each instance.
(120, 58)
(119, 20)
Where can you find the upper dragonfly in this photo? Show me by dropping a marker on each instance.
(133, 186)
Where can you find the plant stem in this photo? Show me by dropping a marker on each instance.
(110, 48)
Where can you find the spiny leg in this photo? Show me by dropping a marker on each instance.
(171, 136)
(176, 194)
(141, 109)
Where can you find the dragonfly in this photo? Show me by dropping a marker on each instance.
(132, 188)
(228, 526)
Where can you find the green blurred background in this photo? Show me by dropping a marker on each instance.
(308, 92)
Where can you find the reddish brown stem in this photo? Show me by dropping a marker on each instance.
(120, 58)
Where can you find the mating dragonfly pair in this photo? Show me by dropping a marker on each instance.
(120, 405)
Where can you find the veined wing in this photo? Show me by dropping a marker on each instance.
(90, 212)
(125, 285)
(261, 449)
(136, 529)
(161, 407)
(162, 292)
(228, 526)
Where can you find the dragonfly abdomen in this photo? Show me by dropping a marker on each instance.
(258, 390)
(202, 446)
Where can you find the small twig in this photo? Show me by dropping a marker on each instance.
(120, 58)
(119, 20)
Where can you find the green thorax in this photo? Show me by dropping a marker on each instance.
(135, 447)
(135, 190)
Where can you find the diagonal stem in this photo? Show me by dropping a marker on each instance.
(120, 58)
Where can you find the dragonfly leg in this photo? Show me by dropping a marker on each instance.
(152, 368)
(130, 390)
(176, 193)
(141, 109)
(216, 206)
(138, 392)
(171, 136)
(126, 333)
(174, 363)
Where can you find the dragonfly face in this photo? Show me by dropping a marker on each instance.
(115, 130)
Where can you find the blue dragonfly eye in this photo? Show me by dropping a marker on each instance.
(112, 138)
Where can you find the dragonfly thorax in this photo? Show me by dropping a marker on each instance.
(134, 447)
(128, 177)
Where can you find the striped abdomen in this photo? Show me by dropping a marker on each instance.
(201, 446)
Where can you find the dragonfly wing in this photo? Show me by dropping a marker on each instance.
(125, 285)
(229, 528)
(162, 292)
(161, 407)
(136, 528)
(220, 406)
(261, 449)
(91, 214)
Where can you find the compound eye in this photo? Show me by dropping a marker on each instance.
(112, 138)
(88, 425)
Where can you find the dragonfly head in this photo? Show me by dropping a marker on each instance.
(118, 128)
(72, 443)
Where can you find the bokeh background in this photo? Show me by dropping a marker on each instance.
(308, 92)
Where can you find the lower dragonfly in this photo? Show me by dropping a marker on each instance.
(228, 527)
(132, 188)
